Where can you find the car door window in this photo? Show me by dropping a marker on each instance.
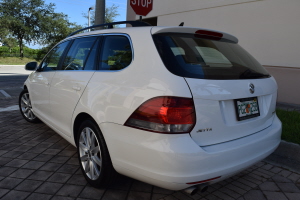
(51, 61)
(116, 53)
(90, 62)
(78, 53)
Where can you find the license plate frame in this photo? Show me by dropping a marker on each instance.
(246, 108)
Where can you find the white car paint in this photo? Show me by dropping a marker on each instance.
(214, 101)
(166, 160)
(38, 84)
(66, 86)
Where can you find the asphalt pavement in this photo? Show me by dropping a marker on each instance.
(12, 78)
(36, 163)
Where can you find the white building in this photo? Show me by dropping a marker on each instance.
(1, 44)
(268, 29)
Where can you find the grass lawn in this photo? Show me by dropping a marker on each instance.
(15, 60)
(290, 125)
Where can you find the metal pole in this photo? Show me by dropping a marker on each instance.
(89, 17)
(100, 12)
(89, 23)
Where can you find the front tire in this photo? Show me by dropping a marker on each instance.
(93, 155)
(26, 107)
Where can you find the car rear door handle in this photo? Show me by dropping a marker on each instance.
(77, 88)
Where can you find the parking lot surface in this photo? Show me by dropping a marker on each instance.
(36, 163)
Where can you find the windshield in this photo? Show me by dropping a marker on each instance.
(188, 55)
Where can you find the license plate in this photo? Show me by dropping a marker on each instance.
(247, 108)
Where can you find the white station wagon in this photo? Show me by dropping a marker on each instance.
(176, 107)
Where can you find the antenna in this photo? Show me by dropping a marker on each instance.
(181, 24)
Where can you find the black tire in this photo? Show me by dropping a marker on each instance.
(89, 154)
(26, 108)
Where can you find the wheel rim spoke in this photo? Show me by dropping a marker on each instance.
(29, 101)
(92, 170)
(88, 137)
(30, 114)
(84, 158)
(83, 147)
(24, 101)
(97, 160)
(95, 150)
(26, 97)
(26, 110)
(83, 135)
(95, 169)
(87, 166)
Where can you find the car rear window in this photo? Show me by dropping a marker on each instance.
(189, 55)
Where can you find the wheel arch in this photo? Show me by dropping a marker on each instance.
(77, 122)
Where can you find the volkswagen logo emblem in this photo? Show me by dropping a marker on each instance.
(251, 88)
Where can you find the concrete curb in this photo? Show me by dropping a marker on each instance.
(12, 65)
(287, 155)
(288, 106)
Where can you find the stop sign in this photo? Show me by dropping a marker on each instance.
(141, 7)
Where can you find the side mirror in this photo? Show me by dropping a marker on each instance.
(31, 66)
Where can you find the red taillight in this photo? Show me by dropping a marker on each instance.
(164, 115)
(208, 34)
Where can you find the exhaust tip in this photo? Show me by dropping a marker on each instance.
(191, 190)
(194, 189)
(203, 188)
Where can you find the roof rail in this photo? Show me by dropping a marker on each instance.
(110, 25)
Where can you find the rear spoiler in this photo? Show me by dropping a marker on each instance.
(197, 31)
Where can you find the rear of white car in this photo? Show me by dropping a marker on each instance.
(190, 107)
(223, 122)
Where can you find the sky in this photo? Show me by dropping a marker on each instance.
(75, 8)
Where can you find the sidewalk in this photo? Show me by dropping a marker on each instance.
(287, 156)
(7, 70)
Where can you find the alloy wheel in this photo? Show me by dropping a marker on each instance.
(90, 153)
(26, 107)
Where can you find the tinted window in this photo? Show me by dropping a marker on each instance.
(189, 56)
(116, 53)
(78, 53)
(90, 63)
(52, 59)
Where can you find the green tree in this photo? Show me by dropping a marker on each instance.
(59, 29)
(3, 31)
(10, 43)
(33, 21)
(110, 14)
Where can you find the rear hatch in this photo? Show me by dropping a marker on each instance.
(234, 95)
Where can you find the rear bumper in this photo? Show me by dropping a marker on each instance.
(171, 161)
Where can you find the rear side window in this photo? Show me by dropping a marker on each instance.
(116, 52)
(78, 54)
(189, 56)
